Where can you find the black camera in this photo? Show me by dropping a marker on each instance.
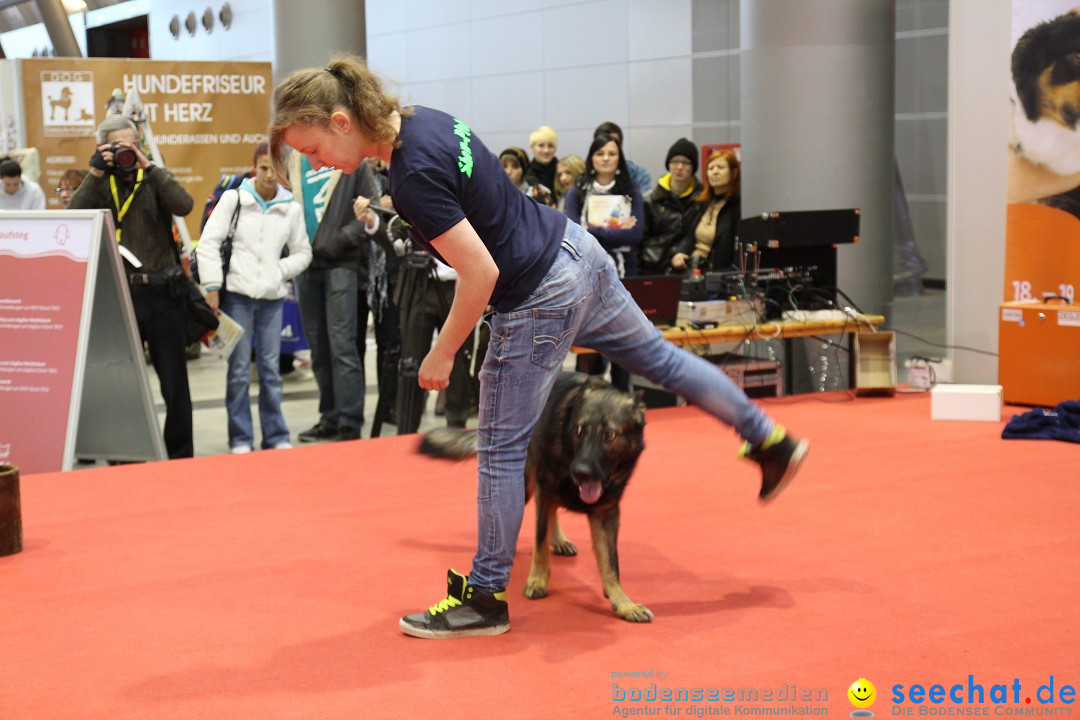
(125, 159)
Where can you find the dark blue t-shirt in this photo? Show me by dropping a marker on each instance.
(442, 173)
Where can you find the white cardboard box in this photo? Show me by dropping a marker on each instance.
(966, 402)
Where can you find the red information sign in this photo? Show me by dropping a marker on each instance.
(72, 376)
(44, 263)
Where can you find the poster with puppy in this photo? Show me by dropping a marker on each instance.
(1042, 256)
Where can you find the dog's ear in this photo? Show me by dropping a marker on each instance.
(1027, 63)
(1042, 47)
(639, 408)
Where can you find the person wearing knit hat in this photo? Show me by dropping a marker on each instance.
(543, 141)
(685, 149)
(669, 208)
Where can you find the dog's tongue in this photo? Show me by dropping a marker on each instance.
(590, 491)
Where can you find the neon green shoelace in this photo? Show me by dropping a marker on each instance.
(444, 605)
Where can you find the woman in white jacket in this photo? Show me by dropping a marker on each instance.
(253, 291)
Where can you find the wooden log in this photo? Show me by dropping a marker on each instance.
(11, 540)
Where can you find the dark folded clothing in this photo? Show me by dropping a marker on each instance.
(1059, 423)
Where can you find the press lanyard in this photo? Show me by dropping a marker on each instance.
(122, 211)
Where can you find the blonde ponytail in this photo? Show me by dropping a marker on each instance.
(311, 95)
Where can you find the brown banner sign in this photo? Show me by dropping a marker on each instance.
(206, 117)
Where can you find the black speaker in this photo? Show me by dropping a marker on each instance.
(796, 251)
(800, 229)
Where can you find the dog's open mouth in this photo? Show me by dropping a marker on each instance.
(590, 491)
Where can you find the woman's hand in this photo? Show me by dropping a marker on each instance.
(678, 261)
(434, 373)
(213, 299)
(463, 250)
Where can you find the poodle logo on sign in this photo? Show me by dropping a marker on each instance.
(67, 103)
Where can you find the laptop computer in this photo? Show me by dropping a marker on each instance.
(657, 296)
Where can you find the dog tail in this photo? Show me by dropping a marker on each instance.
(449, 443)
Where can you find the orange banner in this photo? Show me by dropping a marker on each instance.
(1042, 254)
(206, 117)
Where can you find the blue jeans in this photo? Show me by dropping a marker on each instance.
(328, 298)
(261, 320)
(581, 301)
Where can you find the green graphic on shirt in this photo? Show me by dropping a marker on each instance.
(465, 159)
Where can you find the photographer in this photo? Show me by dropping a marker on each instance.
(143, 199)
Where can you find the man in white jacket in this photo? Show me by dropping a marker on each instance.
(250, 285)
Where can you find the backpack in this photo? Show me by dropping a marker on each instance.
(227, 182)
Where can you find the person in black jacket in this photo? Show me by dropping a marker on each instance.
(379, 269)
(543, 141)
(709, 241)
(669, 209)
(143, 199)
(329, 291)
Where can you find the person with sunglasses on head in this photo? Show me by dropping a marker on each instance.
(260, 220)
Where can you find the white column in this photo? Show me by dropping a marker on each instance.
(979, 77)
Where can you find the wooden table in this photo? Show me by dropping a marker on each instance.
(782, 330)
(772, 330)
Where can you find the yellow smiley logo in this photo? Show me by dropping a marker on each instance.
(862, 693)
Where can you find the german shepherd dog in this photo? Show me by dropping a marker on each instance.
(583, 450)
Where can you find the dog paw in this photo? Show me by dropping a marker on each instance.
(534, 589)
(565, 548)
(634, 613)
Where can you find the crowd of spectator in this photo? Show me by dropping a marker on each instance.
(338, 236)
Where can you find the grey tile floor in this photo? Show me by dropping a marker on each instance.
(922, 316)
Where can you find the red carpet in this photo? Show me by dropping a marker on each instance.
(269, 585)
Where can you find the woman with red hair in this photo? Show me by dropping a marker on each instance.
(710, 242)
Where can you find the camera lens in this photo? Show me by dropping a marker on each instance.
(124, 158)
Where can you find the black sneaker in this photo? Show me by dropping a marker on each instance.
(348, 434)
(317, 433)
(466, 611)
(779, 457)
